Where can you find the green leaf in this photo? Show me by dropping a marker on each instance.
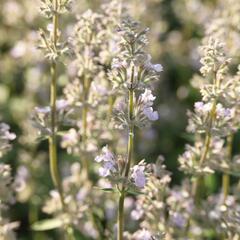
(108, 189)
(134, 192)
(47, 224)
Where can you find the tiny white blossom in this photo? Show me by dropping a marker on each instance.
(147, 98)
(9, 136)
(143, 234)
(117, 63)
(70, 139)
(50, 27)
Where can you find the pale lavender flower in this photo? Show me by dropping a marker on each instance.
(43, 110)
(61, 104)
(108, 162)
(107, 168)
(179, 220)
(157, 68)
(138, 176)
(146, 99)
(202, 107)
(224, 112)
(150, 114)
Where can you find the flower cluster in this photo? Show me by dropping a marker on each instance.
(213, 117)
(41, 118)
(89, 92)
(5, 137)
(133, 68)
(47, 7)
(7, 187)
(113, 166)
(53, 49)
(78, 198)
(224, 25)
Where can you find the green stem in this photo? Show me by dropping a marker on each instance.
(131, 134)
(226, 177)
(225, 185)
(199, 181)
(86, 86)
(53, 137)
(129, 158)
(53, 96)
(111, 100)
(121, 216)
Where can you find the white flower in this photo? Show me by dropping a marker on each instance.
(70, 138)
(19, 50)
(99, 89)
(147, 98)
(5, 137)
(152, 115)
(137, 213)
(198, 106)
(117, 63)
(139, 176)
(143, 234)
(50, 27)
(8, 136)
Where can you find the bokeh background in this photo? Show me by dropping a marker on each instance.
(176, 31)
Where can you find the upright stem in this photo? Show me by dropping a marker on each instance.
(53, 159)
(121, 216)
(196, 188)
(129, 157)
(111, 101)
(226, 177)
(196, 191)
(86, 85)
(131, 133)
(53, 96)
